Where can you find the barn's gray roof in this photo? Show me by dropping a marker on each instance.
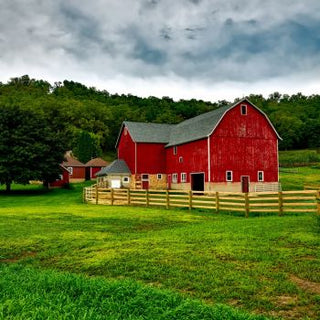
(189, 130)
(149, 132)
(196, 128)
(117, 166)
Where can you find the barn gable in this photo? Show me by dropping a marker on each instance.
(204, 125)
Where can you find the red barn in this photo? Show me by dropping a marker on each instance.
(62, 180)
(93, 166)
(233, 148)
(77, 170)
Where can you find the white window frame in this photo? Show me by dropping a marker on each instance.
(245, 109)
(174, 178)
(126, 179)
(175, 150)
(262, 176)
(183, 177)
(180, 159)
(231, 173)
(159, 176)
(70, 169)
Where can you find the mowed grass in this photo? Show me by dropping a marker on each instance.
(262, 265)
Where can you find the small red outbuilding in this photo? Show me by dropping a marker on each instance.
(77, 170)
(93, 166)
(62, 180)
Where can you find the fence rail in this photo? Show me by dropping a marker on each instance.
(278, 202)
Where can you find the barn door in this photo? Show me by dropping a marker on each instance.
(145, 181)
(245, 183)
(169, 181)
(197, 181)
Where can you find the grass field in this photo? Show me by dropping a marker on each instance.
(298, 177)
(296, 158)
(100, 262)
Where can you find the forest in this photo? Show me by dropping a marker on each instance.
(91, 117)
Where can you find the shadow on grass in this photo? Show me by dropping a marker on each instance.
(33, 192)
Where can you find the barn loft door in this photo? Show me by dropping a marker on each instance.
(245, 183)
(197, 181)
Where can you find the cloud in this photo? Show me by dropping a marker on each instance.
(191, 43)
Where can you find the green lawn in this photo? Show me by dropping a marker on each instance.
(180, 264)
(298, 177)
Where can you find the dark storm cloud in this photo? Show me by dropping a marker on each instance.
(193, 40)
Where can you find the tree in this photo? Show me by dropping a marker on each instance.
(87, 146)
(30, 148)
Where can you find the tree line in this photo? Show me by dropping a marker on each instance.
(87, 120)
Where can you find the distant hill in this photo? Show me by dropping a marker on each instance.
(295, 117)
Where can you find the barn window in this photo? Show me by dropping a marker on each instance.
(229, 176)
(180, 159)
(243, 109)
(70, 169)
(125, 179)
(260, 176)
(125, 131)
(175, 150)
(174, 177)
(159, 176)
(145, 177)
(183, 177)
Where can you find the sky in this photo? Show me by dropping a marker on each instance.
(203, 49)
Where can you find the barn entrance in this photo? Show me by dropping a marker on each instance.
(145, 181)
(88, 173)
(169, 181)
(197, 181)
(245, 183)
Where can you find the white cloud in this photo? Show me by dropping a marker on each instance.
(206, 49)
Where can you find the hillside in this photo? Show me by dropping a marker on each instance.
(99, 113)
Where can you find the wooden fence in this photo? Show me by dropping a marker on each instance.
(277, 202)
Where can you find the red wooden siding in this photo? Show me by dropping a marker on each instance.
(78, 173)
(244, 144)
(63, 181)
(93, 171)
(151, 158)
(194, 159)
(126, 150)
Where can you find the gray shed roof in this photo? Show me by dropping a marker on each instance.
(117, 166)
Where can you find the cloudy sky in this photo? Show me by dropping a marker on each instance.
(208, 49)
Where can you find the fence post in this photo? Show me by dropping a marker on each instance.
(128, 197)
(84, 195)
(190, 199)
(217, 202)
(247, 208)
(280, 203)
(167, 199)
(147, 197)
(97, 194)
(112, 197)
